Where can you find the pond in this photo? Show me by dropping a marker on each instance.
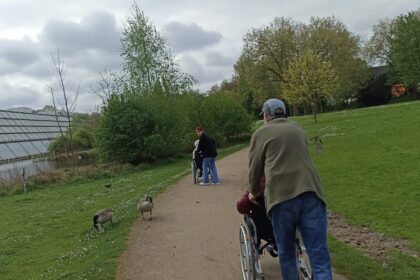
(13, 171)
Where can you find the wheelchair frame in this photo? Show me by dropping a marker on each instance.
(194, 172)
(251, 251)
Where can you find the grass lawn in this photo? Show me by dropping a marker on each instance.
(369, 166)
(48, 234)
(370, 169)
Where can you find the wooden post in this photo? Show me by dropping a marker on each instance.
(25, 189)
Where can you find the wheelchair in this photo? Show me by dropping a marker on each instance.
(254, 241)
(196, 173)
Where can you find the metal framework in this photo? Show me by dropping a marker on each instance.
(26, 135)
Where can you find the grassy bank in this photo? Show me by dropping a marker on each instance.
(370, 169)
(48, 234)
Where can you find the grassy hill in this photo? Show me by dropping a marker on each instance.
(370, 169)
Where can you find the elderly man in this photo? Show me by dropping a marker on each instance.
(294, 195)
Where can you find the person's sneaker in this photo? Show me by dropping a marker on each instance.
(218, 183)
(204, 184)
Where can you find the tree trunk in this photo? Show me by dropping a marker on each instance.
(314, 105)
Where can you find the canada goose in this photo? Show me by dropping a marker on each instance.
(145, 205)
(101, 217)
(107, 186)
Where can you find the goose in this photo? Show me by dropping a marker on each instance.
(101, 217)
(145, 205)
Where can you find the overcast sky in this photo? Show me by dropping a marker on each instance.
(206, 37)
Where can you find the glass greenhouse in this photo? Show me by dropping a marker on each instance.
(25, 135)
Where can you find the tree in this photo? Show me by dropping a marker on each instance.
(331, 41)
(69, 104)
(149, 65)
(265, 55)
(109, 83)
(268, 51)
(308, 79)
(404, 49)
(224, 118)
(376, 50)
(396, 42)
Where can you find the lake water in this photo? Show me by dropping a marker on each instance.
(13, 170)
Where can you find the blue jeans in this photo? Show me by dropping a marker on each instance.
(210, 162)
(308, 213)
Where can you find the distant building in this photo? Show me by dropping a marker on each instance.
(26, 134)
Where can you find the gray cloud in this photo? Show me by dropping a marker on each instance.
(97, 31)
(191, 66)
(17, 53)
(214, 58)
(19, 96)
(205, 74)
(185, 37)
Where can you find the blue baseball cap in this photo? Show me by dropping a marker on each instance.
(272, 107)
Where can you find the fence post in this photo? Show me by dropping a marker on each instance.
(25, 189)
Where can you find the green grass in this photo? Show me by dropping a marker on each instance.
(369, 166)
(370, 169)
(48, 234)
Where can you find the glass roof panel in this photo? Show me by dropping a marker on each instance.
(4, 138)
(5, 152)
(17, 149)
(46, 143)
(30, 148)
(40, 147)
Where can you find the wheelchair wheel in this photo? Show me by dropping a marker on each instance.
(194, 172)
(247, 253)
(250, 258)
(302, 259)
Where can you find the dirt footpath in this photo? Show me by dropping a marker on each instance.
(194, 231)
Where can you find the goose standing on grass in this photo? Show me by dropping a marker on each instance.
(101, 217)
(145, 205)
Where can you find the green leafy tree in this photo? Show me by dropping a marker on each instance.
(404, 49)
(149, 65)
(267, 53)
(308, 79)
(224, 118)
(137, 128)
(329, 39)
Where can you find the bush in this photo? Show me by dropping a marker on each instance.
(83, 139)
(224, 118)
(136, 128)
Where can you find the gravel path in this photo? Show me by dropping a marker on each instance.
(194, 231)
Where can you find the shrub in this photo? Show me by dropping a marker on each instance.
(224, 118)
(136, 128)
